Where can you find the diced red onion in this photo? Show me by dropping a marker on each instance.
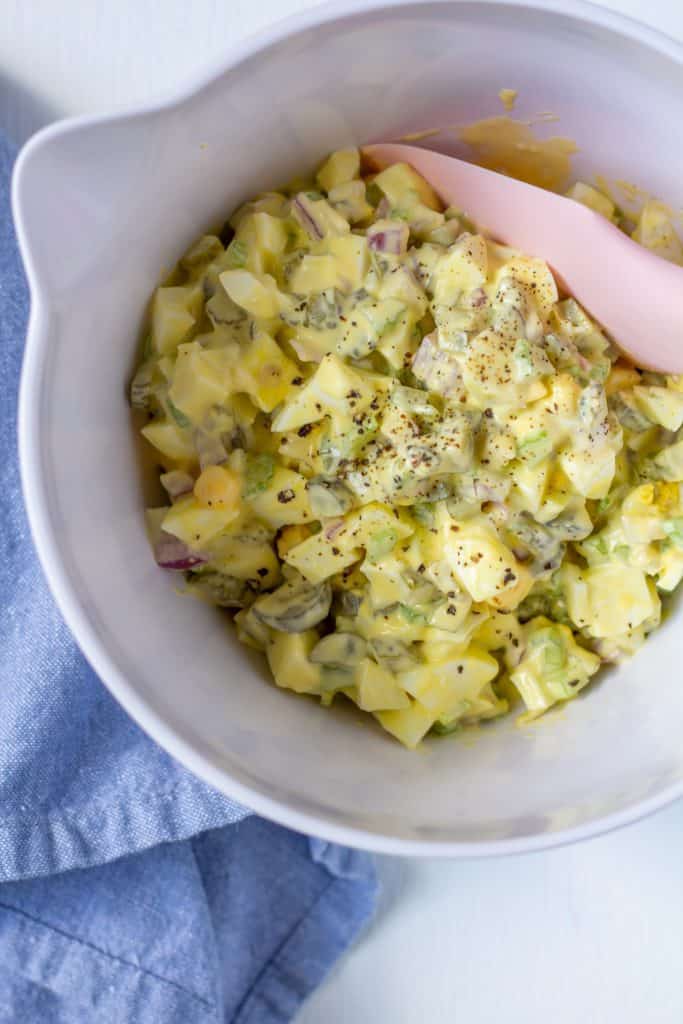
(425, 357)
(390, 237)
(434, 367)
(428, 350)
(420, 270)
(484, 492)
(333, 528)
(172, 553)
(176, 483)
(302, 208)
(383, 208)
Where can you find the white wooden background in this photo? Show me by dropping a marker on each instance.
(591, 934)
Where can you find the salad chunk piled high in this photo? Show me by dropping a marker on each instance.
(423, 479)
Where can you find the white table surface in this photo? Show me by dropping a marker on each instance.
(590, 934)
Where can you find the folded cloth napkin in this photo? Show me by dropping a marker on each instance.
(130, 891)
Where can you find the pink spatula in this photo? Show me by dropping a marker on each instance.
(636, 295)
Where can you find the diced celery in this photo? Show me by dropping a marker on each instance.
(178, 415)
(535, 447)
(673, 528)
(381, 543)
(260, 470)
(236, 255)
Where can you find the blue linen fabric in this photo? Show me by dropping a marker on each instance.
(129, 890)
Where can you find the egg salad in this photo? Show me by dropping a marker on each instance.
(422, 478)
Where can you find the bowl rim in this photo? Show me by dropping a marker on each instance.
(33, 484)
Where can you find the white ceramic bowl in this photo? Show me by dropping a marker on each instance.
(103, 204)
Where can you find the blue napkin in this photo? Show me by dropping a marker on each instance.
(130, 891)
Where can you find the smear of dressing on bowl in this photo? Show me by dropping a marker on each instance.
(511, 147)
